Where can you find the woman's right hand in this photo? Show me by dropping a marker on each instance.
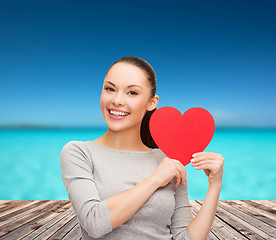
(167, 170)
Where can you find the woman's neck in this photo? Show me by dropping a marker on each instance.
(124, 140)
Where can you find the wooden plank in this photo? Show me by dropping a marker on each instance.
(2, 202)
(261, 206)
(74, 234)
(250, 207)
(252, 226)
(5, 205)
(24, 204)
(254, 212)
(19, 209)
(15, 216)
(65, 229)
(11, 204)
(57, 226)
(221, 229)
(267, 203)
(49, 222)
(21, 227)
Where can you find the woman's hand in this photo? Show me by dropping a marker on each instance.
(211, 163)
(167, 170)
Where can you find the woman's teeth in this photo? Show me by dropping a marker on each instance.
(118, 113)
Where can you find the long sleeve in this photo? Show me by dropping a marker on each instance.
(182, 214)
(92, 212)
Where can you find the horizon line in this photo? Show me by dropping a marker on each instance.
(56, 126)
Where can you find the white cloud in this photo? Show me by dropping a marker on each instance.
(222, 114)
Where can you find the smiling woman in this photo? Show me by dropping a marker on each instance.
(121, 185)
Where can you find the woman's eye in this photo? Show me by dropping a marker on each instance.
(109, 88)
(133, 92)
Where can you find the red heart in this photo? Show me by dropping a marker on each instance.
(180, 136)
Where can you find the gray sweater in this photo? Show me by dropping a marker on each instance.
(92, 173)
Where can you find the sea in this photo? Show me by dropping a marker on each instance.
(30, 165)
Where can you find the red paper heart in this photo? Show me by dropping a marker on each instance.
(180, 136)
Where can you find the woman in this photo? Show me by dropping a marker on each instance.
(121, 185)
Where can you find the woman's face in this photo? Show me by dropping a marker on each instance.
(127, 90)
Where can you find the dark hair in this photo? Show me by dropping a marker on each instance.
(151, 76)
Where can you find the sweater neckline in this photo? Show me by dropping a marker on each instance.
(121, 151)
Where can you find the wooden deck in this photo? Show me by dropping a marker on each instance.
(56, 220)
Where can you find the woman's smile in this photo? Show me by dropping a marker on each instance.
(117, 115)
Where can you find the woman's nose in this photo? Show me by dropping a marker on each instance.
(118, 99)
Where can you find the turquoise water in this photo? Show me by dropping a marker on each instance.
(30, 167)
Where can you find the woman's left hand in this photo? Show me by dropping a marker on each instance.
(211, 163)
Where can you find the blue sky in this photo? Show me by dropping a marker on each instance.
(219, 55)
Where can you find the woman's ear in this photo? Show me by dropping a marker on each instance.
(153, 103)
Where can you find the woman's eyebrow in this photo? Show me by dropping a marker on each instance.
(128, 86)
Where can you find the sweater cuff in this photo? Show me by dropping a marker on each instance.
(107, 216)
(187, 235)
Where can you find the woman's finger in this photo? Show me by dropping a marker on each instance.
(178, 179)
(204, 157)
(204, 154)
(213, 161)
(205, 166)
(182, 171)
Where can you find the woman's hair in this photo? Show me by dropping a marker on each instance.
(151, 76)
